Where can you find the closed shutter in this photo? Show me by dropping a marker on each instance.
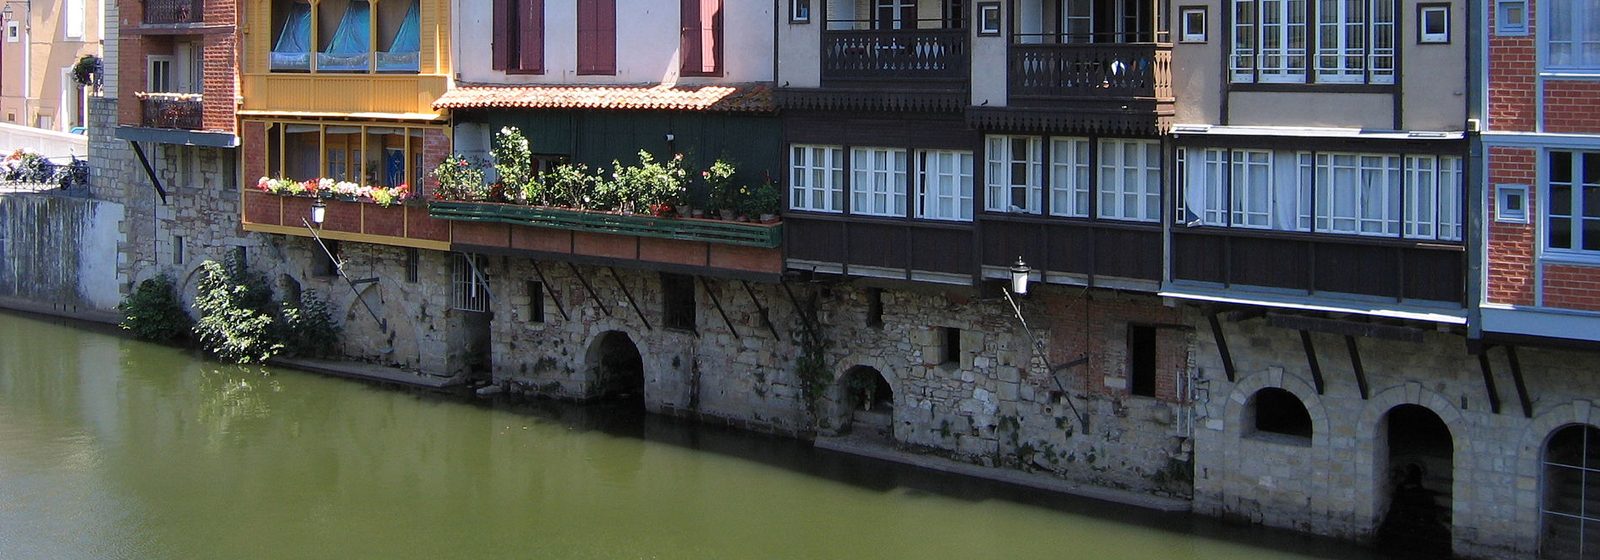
(597, 37)
(530, 31)
(502, 24)
(689, 38)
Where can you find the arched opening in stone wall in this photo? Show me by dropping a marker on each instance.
(1419, 479)
(1567, 521)
(869, 399)
(616, 369)
(1277, 411)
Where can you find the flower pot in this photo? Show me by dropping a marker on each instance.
(769, 218)
(697, 213)
(728, 214)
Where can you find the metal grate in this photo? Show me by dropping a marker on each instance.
(471, 291)
(1571, 470)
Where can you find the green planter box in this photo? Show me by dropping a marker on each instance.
(766, 236)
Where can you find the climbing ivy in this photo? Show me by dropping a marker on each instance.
(152, 311)
(812, 368)
(236, 313)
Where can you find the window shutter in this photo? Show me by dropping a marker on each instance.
(530, 31)
(502, 35)
(710, 36)
(689, 44)
(606, 39)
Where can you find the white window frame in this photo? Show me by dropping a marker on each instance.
(74, 19)
(1422, 196)
(1427, 11)
(154, 73)
(1503, 194)
(1364, 212)
(1252, 200)
(808, 162)
(1071, 177)
(1269, 42)
(1000, 183)
(1287, 17)
(878, 181)
(1511, 18)
(933, 192)
(1574, 22)
(1192, 23)
(1138, 200)
(13, 31)
(1575, 208)
(1204, 179)
(1452, 174)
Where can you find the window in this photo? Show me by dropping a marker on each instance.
(677, 302)
(1433, 197)
(1573, 41)
(1014, 178)
(1069, 177)
(875, 307)
(1252, 188)
(158, 76)
(519, 36)
(799, 11)
(894, 14)
(1193, 20)
(1353, 41)
(944, 185)
(75, 18)
(816, 178)
(471, 283)
(989, 18)
(1573, 206)
(1511, 18)
(177, 249)
(13, 32)
(535, 302)
(701, 38)
(1358, 193)
(878, 181)
(368, 155)
(1205, 192)
(348, 36)
(1433, 23)
(1511, 204)
(597, 37)
(325, 257)
(1142, 360)
(1130, 179)
(1571, 458)
(1280, 412)
(952, 345)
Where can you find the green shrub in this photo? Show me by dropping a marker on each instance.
(513, 160)
(460, 179)
(307, 328)
(236, 313)
(152, 311)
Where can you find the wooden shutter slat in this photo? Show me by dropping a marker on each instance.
(606, 23)
(689, 43)
(530, 44)
(501, 45)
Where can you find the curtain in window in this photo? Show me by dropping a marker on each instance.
(1013, 177)
(878, 181)
(816, 178)
(1574, 37)
(1069, 177)
(944, 185)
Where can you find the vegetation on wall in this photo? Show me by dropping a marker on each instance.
(240, 322)
(152, 312)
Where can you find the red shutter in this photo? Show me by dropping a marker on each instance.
(530, 31)
(711, 37)
(606, 40)
(689, 44)
(501, 44)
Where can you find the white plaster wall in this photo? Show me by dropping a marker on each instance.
(988, 63)
(799, 51)
(647, 44)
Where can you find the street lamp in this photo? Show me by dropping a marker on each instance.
(319, 212)
(1019, 278)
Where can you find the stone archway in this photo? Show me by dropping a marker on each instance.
(1417, 460)
(614, 367)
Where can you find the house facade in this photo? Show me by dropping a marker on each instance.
(42, 41)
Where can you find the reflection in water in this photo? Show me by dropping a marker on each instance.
(111, 448)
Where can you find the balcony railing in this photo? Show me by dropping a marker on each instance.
(1096, 70)
(172, 111)
(173, 11)
(900, 54)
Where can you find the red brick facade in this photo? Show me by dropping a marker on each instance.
(1571, 106)
(1096, 326)
(217, 43)
(1511, 246)
(1513, 70)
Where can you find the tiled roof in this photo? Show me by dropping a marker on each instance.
(742, 98)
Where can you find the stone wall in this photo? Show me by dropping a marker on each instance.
(1339, 481)
(59, 251)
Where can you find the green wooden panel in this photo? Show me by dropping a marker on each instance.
(766, 236)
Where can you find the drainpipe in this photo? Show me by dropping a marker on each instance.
(1474, 175)
(777, 7)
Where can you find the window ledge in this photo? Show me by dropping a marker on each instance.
(1311, 87)
(1574, 258)
(1572, 74)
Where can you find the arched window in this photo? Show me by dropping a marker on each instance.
(1571, 466)
(1280, 412)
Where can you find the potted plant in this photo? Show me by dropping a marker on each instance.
(762, 201)
(719, 187)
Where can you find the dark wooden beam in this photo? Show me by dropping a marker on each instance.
(149, 171)
(718, 304)
(629, 295)
(805, 318)
(540, 271)
(766, 318)
(1355, 363)
(1311, 359)
(1488, 382)
(1516, 377)
(1345, 327)
(1222, 344)
(590, 288)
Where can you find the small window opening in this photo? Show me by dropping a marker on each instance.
(874, 307)
(177, 249)
(1142, 360)
(677, 302)
(326, 261)
(1280, 412)
(536, 302)
(412, 266)
(952, 345)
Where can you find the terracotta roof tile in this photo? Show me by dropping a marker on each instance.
(740, 98)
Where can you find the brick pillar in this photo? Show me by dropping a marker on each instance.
(435, 147)
(1511, 247)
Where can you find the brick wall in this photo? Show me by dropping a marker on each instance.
(435, 147)
(218, 79)
(253, 148)
(1572, 287)
(1512, 67)
(1096, 327)
(1511, 249)
(131, 69)
(1571, 106)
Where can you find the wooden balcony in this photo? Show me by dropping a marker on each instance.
(168, 12)
(342, 94)
(922, 250)
(1118, 88)
(1088, 249)
(158, 112)
(1395, 269)
(683, 245)
(905, 57)
(402, 225)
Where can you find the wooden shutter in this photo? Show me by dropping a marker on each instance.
(530, 35)
(597, 36)
(702, 37)
(689, 36)
(502, 25)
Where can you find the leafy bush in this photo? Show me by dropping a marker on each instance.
(719, 185)
(651, 183)
(571, 186)
(236, 313)
(307, 328)
(152, 311)
(460, 179)
(761, 199)
(513, 159)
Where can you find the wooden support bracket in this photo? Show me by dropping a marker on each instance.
(1355, 363)
(718, 304)
(589, 288)
(540, 271)
(1516, 377)
(762, 309)
(1488, 382)
(1311, 359)
(1222, 344)
(629, 295)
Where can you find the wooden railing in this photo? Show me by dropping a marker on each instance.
(1313, 263)
(902, 54)
(1125, 70)
(186, 114)
(173, 11)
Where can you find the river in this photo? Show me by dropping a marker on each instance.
(113, 448)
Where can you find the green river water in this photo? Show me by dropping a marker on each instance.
(111, 448)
